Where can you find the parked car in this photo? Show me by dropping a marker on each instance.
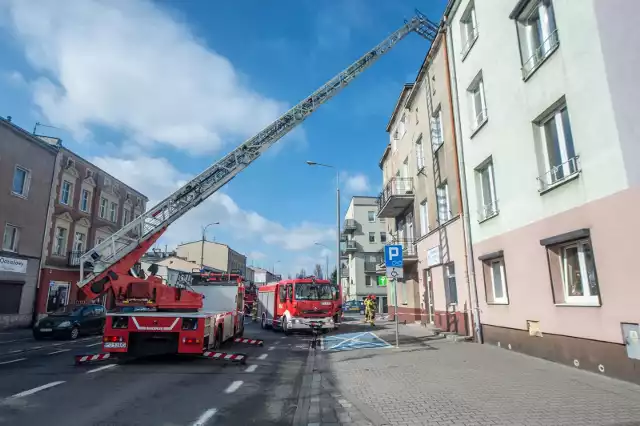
(71, 321)
(353, 306)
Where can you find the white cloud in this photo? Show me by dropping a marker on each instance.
(356, 183)
(157, 178)
(256, 255)
(131, 66)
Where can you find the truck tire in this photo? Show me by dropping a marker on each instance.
(263, 322)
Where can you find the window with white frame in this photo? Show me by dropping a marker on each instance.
(371, 216)
(21, 181)
(11, 238)
(437, 137)
(442, 199)
(65, 192)
(402, 126)
(579, 273)
(368, 280)
(372, 237)
(113, 212)
(60, 242)
(537, 34)
(498, 281)
(383, 237)
(99, 240)
(394, 141)
(419, 154)
(417, 116)
(478, 103)
(485, 183)
(126, 216)
(85, 200)
(424, 218)
(79, 241)
(104, 205)
(468, 29)
(559, 157)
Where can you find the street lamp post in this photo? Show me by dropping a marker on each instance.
(313, 163)
(204, 231)
(326, 270)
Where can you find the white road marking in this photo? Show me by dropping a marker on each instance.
(35, 348)
(283, 337)
(16, 340)
(251, 368)
(104, 367)
(58, 351)
(276, 343)
(93, 344)
(234, 386)
(16, 352)
(202, 420)
(12, 361)
(272, 348)
(263, 356)
(38, 389)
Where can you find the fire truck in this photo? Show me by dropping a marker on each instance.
(288, 305)
(188, 319)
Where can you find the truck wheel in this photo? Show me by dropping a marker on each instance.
(263, 322)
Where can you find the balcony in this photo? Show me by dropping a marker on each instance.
(350, 225)
(344, 271)
(372, 266)
(396, 196)
(350, 246)
(73, 259)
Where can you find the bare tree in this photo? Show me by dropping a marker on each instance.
(302, 273)
(317, 271)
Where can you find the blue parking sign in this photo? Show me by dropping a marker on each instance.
(393, 256)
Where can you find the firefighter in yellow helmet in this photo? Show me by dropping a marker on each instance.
(369, 309)
(372, 309)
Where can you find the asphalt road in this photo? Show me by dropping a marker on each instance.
(40, 385)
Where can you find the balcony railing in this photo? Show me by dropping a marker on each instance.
(73, 259)
(350, 246)
(396, 196)
(488, 210)
(542, 52)
(371, 266)
(350, 225)
(560, 173)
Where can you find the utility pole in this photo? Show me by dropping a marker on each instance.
(204, 232)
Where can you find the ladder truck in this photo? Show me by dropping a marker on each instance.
(113, 265)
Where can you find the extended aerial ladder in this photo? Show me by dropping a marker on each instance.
(113, 262)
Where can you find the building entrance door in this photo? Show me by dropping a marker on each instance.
(428, 296)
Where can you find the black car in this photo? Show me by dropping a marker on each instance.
(70, 321)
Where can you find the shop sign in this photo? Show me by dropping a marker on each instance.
(11, 264)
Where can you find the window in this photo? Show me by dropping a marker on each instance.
(537, 35)
(405, 168)
(103, 207)
(107, 181)
(21, 181)
(78, 242)
(383, 237)
(444, 211)
(394, 141)
(469, 29)
(424, 218)
(113, 212)
(579, 273)
(85, 200)
(10, 238)
(368, 280)
(419, 154)
(478, 103)
(99, 240)
(450, 282)
(495, 280)
(402, 126)
(127, 216)
(560, 161)
(372, 237)
(65, 192)
(60, 244)
(486, 191)
(417, 115)
(372, 216)
(436, 129)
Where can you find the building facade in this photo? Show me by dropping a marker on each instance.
(87, 206)
(547, 114)
(262, 276)
(421, 200)
(27, 167)
(364, 235)
(215, 255)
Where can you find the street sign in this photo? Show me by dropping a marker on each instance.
(393, 261)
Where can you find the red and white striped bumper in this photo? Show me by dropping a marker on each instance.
(90, 358)
(249, 341)
(241, 358)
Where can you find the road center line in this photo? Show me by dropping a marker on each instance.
(251, 368)
(38, 389)
(93, 344)
(58, 351)
(263, 356)
(12, 361)
(16, 340)
(202, 420)
(234, 386)
(104, 367)
(16, 352)
(272, 348)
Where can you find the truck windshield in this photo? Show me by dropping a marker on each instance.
(308, 291)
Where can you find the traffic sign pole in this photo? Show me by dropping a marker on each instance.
(393, 259)
(395, 296)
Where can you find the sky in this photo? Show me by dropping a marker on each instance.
(155, 91)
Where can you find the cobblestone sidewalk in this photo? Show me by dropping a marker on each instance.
(439, 382)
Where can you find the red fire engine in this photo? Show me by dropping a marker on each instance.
(142, 331)
(290, 304)
(177, 315)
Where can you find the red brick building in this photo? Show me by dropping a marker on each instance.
(87, 205)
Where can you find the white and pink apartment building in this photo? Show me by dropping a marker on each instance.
(546, 95)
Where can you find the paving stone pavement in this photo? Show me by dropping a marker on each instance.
(439, 382)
